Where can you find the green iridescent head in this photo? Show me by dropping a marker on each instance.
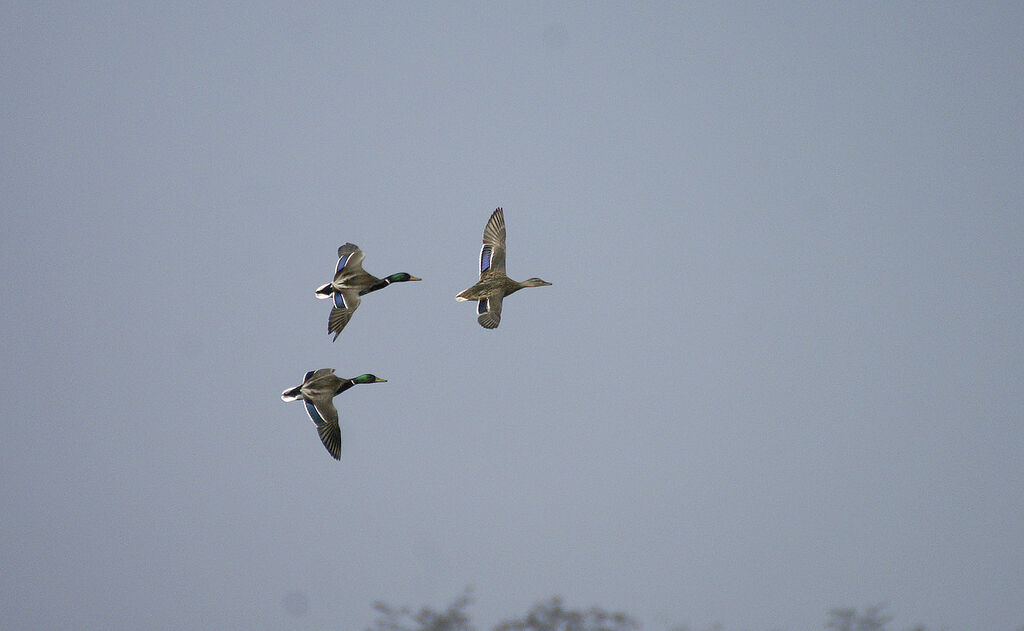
(401, 277)
(368, 379)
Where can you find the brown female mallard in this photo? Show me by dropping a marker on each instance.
(494, 285)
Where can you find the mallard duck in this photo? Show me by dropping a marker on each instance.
(494, 285)
(317, 390)
(350, 282)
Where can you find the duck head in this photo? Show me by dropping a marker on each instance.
(401, 277)
(368, 379)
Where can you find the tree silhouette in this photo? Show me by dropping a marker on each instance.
(550, 615)
(847, 619)
(453, 618)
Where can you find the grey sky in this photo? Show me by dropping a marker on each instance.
(779, 368)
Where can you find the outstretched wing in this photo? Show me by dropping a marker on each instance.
(489, 312)
(316, 374)
(350, 260)
(322, 410)
(330, 435)
(325, 416)
(492, 254)
(345, 304)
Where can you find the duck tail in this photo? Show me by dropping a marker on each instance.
(291, 394)
(324, 291)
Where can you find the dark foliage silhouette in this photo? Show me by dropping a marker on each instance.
(847, 619)
(453, 618)
(552, 615)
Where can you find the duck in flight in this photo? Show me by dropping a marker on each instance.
(317, 391)
(494, 285)
(349, 284)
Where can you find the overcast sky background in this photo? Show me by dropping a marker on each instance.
(779, 368)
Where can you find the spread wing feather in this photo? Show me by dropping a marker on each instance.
(330, 435)
(350, 260)
(494, 244)
(489, 310)
(345, 304)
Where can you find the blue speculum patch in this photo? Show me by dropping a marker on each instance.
(313, 414)
(308, 375)
(481, 307)
(339, 300)
(342, 262)
(485, 259)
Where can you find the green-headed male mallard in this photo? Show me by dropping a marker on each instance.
(494, 284)
(317, 391)
(350, 282)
